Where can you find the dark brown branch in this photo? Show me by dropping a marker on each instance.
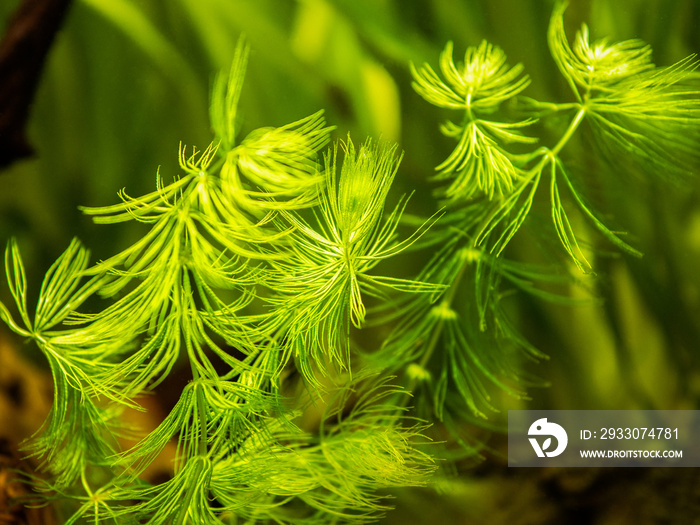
(23, 50)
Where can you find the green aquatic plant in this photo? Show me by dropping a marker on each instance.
(231, 279)
(272, 271)
(453, 353)
(633, 107)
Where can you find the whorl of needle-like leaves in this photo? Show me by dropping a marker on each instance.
(479, 164)
(271, 168)
(650, 115)
(480, 83)
(280, 162)
(598, 66)
(319, 287)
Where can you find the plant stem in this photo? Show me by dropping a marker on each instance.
(573, 126)
(449, 296)
(202, 416)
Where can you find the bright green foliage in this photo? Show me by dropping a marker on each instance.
(597, 67)
(322, 471)
(319, 289)
(453, 352)
(480, 83)
(478, 86)
(231, 280)
(651, 114)
(635, 108)
(260, 261)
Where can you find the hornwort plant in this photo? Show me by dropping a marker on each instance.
(260, 266)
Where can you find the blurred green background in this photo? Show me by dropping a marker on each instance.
(128, 80)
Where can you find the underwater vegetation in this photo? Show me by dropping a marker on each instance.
(339, 341)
